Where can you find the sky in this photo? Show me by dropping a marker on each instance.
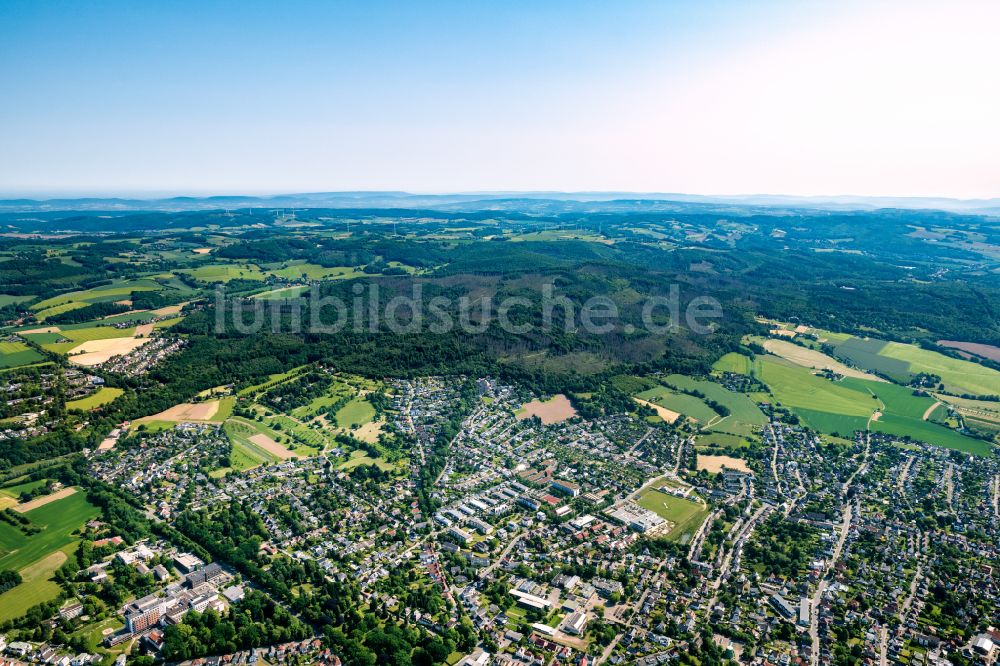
(881, 97)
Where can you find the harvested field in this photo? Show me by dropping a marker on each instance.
(44, 499)
(716, 464)
(44, 329)
(95, 352)
(811, 358)
(664, 413)
(271, 446)
(986, 351)
(169, 310)
(555, 409)
(202, 250)
(186, 411)
(143, 330)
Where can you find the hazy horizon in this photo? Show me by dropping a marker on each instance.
(889, 98)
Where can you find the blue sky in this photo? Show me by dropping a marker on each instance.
(895, 98)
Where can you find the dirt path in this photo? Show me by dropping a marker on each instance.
(949, 485)
(45, 499)
(930, 410)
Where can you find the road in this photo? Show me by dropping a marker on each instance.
(838, 549)
(996, 496)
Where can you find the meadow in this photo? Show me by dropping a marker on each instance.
(848, 405)
(36, 557)
(15, 354)
(733, 362)
(901, 361)
(102, 396)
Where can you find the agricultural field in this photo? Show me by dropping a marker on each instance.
(112, 292)
(554, 410)
(840, 408)
(733, 362)
(225, 272)
(744, 416)
(37, 557)
(253, 445)
(685, 515)
(102, 396)
(308, 272)
(902, 361)
(15, 354)
(817, 360)
(684, 404)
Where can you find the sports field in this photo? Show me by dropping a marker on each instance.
(686, 515)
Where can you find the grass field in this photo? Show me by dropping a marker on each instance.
(305, 271)
(37, 556)
(361, 458)
(355, 413)
(110, 292)
(744, 415)
(283, 292)
(733, 362)
(845, 406)
(685, 514)
(247, 455)
(15, 354)
(102, 396)
(44, 314)
(225, 273)
(902, 361)
(10, 299)
(688, 405)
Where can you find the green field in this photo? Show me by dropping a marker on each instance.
(744, 415)
(355, 413)
(102, 396)
(283, 292)
(111, 292)
(688, 405)
(902, 361)
(42, 315)
(35, 556)
(225, 273)
(685, 514)
(733, 362)
(15, 354)
(305, 271)
(845, 406)
(247, 455)
(10, 299)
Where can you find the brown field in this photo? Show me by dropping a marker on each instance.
(557, 408)
(986, 351)
(44, 329)
(810, 358)
(7, 502)
(95, 352)
(717, 463)
(271, 446)
(169, 310)
(107, 444)
(143, 330)
(202, 250)
(186, 411)
(44, 499)
(369, 432)
(667, 415)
